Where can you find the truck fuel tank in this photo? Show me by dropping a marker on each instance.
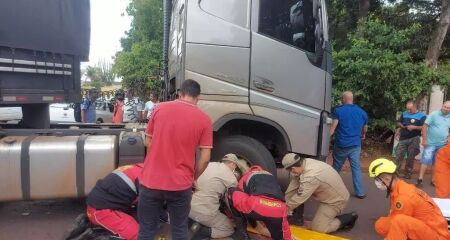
(48, 167)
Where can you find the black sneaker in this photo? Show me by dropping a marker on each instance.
(347, 220)
(361, 197)
(419, 183)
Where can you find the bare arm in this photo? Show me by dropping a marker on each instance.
(412, 127)
(400, 125)
(424, 134)
(205, 155)
(333, 126)
(364, 131)
(148, 141)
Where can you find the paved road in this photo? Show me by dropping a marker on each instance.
(47, 220)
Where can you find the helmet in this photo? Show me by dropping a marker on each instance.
(241, 164)
(381, 165)
(290, 159)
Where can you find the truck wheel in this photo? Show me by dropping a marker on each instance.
(247, 148)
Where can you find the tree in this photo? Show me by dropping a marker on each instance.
(106, 74)
(344, 16)
(438, 36)
(139, 62)
(93, 73)
(379, 69)
(100, 74)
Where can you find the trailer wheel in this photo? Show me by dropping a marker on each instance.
(247, 148)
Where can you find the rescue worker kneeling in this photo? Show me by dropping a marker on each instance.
(413, 214)
(258, 197)
(112, 198)
(310, 177)
(212, 186)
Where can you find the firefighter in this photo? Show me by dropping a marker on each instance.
(205, 204)
(110, 202)
(413, 214)
(442, 172)
(314, 178)
(258, 197)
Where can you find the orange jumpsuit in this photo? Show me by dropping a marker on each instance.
(413, 216)
(442, 172)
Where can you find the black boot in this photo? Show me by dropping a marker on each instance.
(297, 216)
(239, 235)
(80, 224)
(87, 234)
(200, 232)
(347, 220)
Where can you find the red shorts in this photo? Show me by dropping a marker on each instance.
(117, 222)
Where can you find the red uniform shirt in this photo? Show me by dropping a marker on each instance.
(177, 129)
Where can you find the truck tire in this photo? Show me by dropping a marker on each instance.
(247, 148)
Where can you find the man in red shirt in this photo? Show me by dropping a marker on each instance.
(175, 131)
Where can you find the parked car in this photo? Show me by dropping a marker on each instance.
(59, 112)
(10, 114)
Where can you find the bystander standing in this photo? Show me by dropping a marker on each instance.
(88, 106)
(175, 131)
(350, 127)
(410, 127)
(434, 136)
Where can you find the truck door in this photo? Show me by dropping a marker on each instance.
(218, 48)
(288, 68)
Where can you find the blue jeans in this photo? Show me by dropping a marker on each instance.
(151, 202)
(352, 153)
(429, 154)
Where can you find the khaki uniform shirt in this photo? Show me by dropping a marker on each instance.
(212, 184)
(318, 180)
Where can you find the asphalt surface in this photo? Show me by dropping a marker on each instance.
(47, 220)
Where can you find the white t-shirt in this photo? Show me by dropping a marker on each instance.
(149, 108)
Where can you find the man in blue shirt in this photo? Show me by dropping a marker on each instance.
(88, 107)
(410, 125)
(350, 126)
(434, 136)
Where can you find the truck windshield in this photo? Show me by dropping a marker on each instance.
(289, 21)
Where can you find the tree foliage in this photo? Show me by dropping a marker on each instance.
(100, 74)
(139, 62)
(379, 68)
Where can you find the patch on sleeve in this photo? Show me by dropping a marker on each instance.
(398, 205)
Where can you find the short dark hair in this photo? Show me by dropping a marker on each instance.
(155, 94)
(190, 88)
